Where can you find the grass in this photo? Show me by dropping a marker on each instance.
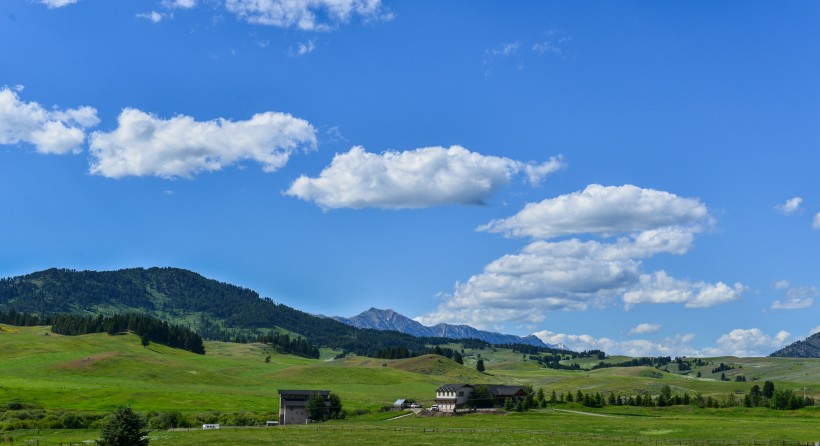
(95, 373)
(638, 426)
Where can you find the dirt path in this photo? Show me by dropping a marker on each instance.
(586, 413)
(401, 416)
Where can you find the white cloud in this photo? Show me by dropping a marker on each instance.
(144, 144)
(58, 3)
(505, 50)
(748, 342)
(660, 288)
(601, 210)
(792, 304)
(179, 4)
(552, 44)
(814, 330)
(546, 47)
(797, 297)
(50, 131)
(781, 284)
(791, 206)
(307, 15)
(677, 345)
(645, 329)
(815, 223)
(418, 178)
(153, 16)
(575, 275)
(303, 48)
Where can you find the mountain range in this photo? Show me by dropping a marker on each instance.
(390, 320)
(215, 310)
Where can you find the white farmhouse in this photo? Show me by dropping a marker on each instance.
(451, 397)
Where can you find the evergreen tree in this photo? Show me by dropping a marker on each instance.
(768, 390)
(480, 365)
(124, 428)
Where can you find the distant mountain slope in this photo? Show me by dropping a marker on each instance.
(808, 348)
(214, 309)
(390, 320)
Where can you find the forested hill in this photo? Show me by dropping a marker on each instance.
(809, 348)
(216, 310)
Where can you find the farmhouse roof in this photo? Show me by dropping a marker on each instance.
(303, 392)
(504, 390)
(451, 387)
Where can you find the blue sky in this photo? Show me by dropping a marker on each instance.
(632, 176)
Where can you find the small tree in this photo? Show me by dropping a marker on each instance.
(335, 406)
(480, 365)
(124, 428)
(768, 390)
(145, 341)
(480, 397)
(316, 408)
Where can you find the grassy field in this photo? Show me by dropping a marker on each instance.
(637, 426)
(95, 373)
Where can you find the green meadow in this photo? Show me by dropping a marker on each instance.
(93, 374)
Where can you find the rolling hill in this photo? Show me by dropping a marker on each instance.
(215, 310)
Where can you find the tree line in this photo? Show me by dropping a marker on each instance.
(147, 327)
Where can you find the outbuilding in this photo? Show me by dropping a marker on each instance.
(293, 405)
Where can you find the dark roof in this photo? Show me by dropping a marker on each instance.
(303, 392)
(504, 390)
(451, 387)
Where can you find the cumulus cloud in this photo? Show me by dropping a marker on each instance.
(660, 288)
(307, 15)
(575, 275)
(600, 210)
(815, 223)
(51, 4)
(791, 206)
(49, 131)
(145, 145)
(418, 178)
(748, 342)
(645, 329)
(814, 330)
(677, 345)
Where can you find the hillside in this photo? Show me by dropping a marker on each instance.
(216, 310)
(808, 348)
(97, 372)
(390, 320)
